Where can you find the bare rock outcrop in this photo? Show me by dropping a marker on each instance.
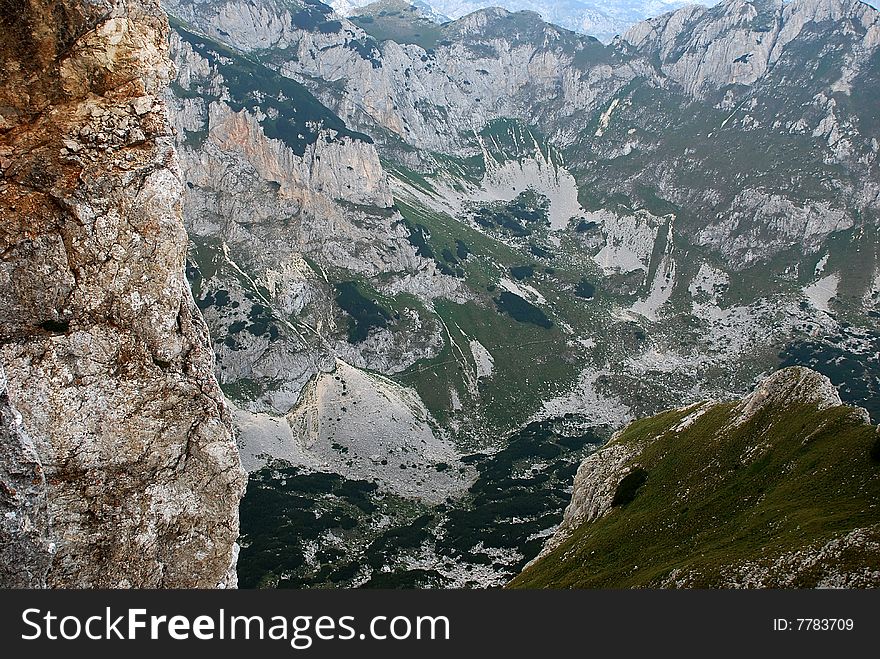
(117, 463)
(739, 41)
(791, 386)
(24, 539)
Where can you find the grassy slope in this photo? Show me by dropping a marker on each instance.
(703, 508)
(512, 394)
(398, 21)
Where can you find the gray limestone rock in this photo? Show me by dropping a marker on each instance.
(25, 549)
(110, 407)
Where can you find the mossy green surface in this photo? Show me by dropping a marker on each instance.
(717, 496)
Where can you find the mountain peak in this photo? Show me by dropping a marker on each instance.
(484, 15)
(496, 22)
(738, 41)
(795, 385)
(399, 8)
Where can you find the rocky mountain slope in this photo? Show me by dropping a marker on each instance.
(117, 465)
(780, 489)
(302, 267)
(384, 213)
(662, 86)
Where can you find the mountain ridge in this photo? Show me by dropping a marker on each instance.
(691, 544)
(602, 20)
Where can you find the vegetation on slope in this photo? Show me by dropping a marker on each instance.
(399, 21)
(289, 111)
(715, 504)
(312, 529)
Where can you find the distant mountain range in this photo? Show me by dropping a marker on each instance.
(603, 20)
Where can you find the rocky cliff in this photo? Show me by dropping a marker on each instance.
(664, 174)
(303, 268)
(117, 465)
(779, 489)
(737, 43)
(707, 77)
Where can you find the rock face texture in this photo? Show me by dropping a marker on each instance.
(117, 465)
(24, 552)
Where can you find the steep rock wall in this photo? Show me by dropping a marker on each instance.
(117, 465)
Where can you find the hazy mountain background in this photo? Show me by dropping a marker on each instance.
(602, 20)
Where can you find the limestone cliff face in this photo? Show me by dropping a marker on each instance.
(736, 43)
(117, 465)
(285, 207)
(318, 195)
(493, 63)
(748, 69)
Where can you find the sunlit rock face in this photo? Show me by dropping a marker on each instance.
(117, 461)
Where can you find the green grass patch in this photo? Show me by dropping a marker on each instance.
(720, 495)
